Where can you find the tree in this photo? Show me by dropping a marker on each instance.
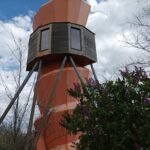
(113, 115)
(140, 37)
(7, 138)
(13, 133)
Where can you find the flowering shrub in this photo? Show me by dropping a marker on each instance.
(114, 115)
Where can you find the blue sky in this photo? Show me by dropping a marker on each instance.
(11, 8)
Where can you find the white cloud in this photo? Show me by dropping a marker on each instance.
(93, 3)
(19, 27)
(12, 32)
(109, 20)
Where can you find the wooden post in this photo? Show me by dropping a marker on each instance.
(17, 93)
(94, 73)
(42, 124)
(29, 131)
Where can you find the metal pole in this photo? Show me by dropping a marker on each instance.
(42, 124)
(94, 73)
(79, 76)
(17, 93)
(33, 108)
(76, 70)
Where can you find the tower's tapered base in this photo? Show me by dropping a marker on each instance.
(54, 136)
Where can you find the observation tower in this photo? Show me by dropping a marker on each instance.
(60, 41)
(59, 49)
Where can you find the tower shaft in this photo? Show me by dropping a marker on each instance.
(53, 135)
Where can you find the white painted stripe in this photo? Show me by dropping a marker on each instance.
(64, 147)
(64, 107)
(60, 108)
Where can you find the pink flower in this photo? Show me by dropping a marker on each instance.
(147, 101)
(137, 146)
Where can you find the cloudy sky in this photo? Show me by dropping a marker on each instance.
(109, 19)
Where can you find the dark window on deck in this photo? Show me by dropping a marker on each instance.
(44, 42)
(75, 38)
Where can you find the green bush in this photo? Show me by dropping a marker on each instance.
(114, 115)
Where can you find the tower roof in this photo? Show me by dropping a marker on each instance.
(73, 11)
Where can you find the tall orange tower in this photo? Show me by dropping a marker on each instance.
(64, 46)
